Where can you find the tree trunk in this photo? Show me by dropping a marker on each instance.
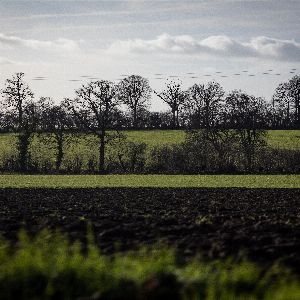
(20, 120)
(249, 150)
(173, 119)
(102, 153)
(23, 145)
(297, 111)
(133, 160)
(60, 153)
(134, 119)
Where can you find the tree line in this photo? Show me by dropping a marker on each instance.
(101, 106)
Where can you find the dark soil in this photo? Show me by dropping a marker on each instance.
(263, 223)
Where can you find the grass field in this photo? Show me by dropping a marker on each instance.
(285, 139)
(81, 153)
(155, 181)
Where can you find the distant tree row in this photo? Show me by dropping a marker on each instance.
(200, 106)
(101, 106)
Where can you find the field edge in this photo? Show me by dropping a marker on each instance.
(149, 181)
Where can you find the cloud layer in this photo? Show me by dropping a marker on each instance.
(216, 45)
(55, 45)
(219, 45)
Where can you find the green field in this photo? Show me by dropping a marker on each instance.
(155, 181)
(283, 139)
(82, 152)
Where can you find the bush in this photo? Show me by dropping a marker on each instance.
(168, 159)
(126, 156)
(197, 155)
(278, 161)
(219, 151)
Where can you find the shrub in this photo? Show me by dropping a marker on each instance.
(126, 156)
(167, 159)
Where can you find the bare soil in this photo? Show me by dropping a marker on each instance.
(264, 224)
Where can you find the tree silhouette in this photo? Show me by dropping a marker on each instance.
(18, 100)
(55, 120)
(204, 103)
(246, 115)
(135, 92)
(175, 97)
(94, 106)
(286, 101)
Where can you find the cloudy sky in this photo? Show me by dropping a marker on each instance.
(68, 41)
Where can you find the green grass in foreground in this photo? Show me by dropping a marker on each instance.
(49, 267)
(156, 181)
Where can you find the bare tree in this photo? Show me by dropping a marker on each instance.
(135, 92)
(175, 97)
(204, 102)
(246, 114)
(17, 94)
(18, 100)
(286, 101)
(95, 107)
(54, 120)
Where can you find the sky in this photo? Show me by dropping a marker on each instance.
(60, 45)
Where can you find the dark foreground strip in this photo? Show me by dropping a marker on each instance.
(263, 223)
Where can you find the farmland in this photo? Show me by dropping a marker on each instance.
(150, 181)
(284, 139)
(173, 230)
(148, 151)
(264, 224)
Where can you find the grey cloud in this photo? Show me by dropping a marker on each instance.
(282, 49)
(220, 45)
(58, 44)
